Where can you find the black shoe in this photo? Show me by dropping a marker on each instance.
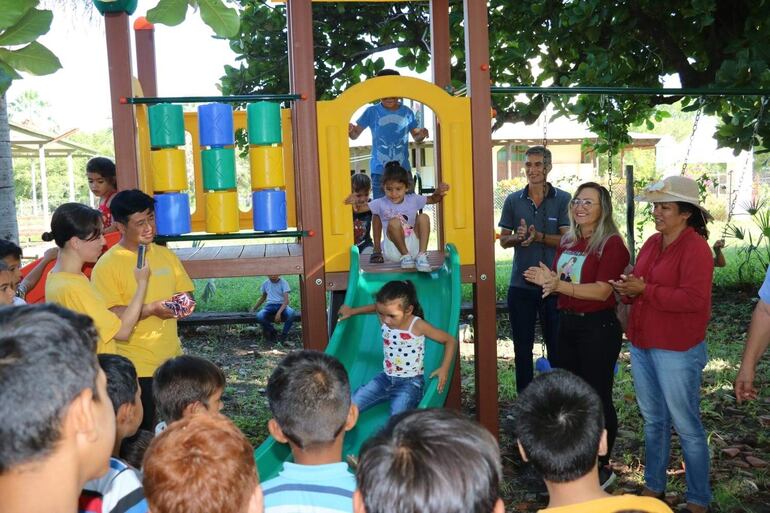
(606, 476)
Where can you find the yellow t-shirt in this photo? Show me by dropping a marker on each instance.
(613, 504)
(154, 340)
(75, 292)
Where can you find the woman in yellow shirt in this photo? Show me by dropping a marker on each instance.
(77, 230)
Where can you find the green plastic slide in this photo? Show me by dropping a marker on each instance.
(357, 343)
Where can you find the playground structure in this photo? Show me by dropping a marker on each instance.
(361, 353)
(314, 143)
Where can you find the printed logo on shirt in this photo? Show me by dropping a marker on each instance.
(570, 266)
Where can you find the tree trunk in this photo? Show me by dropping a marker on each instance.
(9, 228)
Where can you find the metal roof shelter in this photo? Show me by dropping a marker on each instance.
(33, 144)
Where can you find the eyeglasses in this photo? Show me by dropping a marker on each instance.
(584, 202)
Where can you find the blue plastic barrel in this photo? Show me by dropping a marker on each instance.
(172, 213)
(269, 210)
(215, 123)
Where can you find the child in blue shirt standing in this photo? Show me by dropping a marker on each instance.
(391, 123)
(275, 295)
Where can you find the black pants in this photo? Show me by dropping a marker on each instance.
(148, 403)
(588, 346)
(525, 306)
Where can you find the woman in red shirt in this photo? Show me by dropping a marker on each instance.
(590, 255)
(670, 296)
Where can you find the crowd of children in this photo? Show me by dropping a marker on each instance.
(68, 415)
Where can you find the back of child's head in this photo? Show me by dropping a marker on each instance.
(395, 172)
(74, 220)
(387, 72)
(360, 182)
(122, 385)
(559, 424)
(47, 358)
(201, 464)
(126, 203)
(403, 291)
(9, 249)
(431, 461)
(133, 448)
(182, 381)
(309, 397)
(104, 167)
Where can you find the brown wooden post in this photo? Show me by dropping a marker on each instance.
(306, 172)
(477, 73)
(440, 54)
(144, 36)
(123, 123)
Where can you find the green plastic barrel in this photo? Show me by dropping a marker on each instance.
(264, 123)
(218, 169)
(166, 125)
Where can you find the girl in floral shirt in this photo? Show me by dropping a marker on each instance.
(403, 341)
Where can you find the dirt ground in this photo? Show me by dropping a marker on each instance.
(739, 437)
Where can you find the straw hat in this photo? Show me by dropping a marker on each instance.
(672, 189)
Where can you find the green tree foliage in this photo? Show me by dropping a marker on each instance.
(706, 43)
(223, 20)
(20, 26)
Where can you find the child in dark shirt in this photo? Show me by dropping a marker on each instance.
(361, 185)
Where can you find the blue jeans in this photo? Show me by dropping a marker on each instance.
(524, 308)
(403, 393)
(668, 392)
(266, 317)
(377, 186)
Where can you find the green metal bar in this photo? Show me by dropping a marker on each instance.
(230, 236)
(206, 99)
(642, 91)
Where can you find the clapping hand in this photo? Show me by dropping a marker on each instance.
(525, 235)
(543, 276)
(628, 285)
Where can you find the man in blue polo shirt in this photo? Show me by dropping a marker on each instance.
(533, 221)
(756, 344)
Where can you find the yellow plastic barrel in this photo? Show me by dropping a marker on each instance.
(266, 164)
(222, 212)
(169, 172)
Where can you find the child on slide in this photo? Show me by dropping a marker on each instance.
(403, 339)
(406, 230)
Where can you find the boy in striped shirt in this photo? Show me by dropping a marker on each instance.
(120, 489)
(309, 396)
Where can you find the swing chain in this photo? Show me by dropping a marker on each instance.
(701, 102)
(750, 152)
(609, 144)
(546, 102)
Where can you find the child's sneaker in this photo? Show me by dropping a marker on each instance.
(407, 262)
(422, 263)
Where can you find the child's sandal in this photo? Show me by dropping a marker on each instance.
(376, 258)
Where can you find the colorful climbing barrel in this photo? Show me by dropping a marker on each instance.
(168, 169)
(217, 137)
(268, 182)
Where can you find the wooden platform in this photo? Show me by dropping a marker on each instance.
(241, 260)
(283, 258)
